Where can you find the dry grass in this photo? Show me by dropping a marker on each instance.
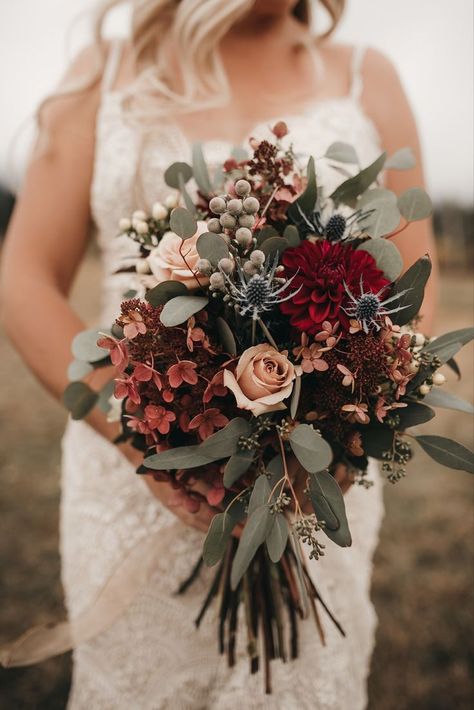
(423, 578)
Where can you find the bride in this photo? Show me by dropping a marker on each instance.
(219, 72)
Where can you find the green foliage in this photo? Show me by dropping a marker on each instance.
(260, 494)
(178, 309)
(447, 345)
(312, 451)
(217, 538)
(376, 440)
(328, 504)
(79, 399)
(386, 255)
(183, 223)
(273, 246)
(403, 159)
(413, 415)
(238, 464)
(415, 204)
(105, 394)
(186, 196)
(342, 152)
(164, 292)
(291, 235)
(201, 173)
(78, 369)
(172, 174)
(265, 233)
(277, 538)
(413, 282)
(212, 247)
(178, 457)
(350, 189)
(254, 533)
(440, 398)
(295, 397)
(226, 336)
(84, 346)
(225, 441)
(447, 452)
(374, 195)
(307, 200)
(383, 219)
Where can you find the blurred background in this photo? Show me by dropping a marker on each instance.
(423, 577)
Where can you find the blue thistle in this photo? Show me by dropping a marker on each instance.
(369, 307)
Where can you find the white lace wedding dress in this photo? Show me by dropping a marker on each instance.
(152, 657)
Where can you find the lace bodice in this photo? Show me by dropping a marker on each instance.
(152, 658)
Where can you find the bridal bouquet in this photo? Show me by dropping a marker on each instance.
(271, 337)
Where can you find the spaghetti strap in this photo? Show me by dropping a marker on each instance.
(357, 81)
(112, 65)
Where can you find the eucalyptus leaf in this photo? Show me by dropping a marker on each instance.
(375, 194)
(440, 398)
(201, 173)
(350, 189)
(413, 282)
(178, 309)
(84, 346)
(383, 218)
(307, 200)
(212, 247)
(275, 470)
(277, 538)
(312, 451)
(342, 152)
(226, 336)
(225, 441)
(403, 159)
(438, 345)
(183, 223)
(328, 504)
(186, 196)
(295, 397)
(377, 440)
(386, 255)
(217, 538)
(273, 246)
(253, 535)
(260, 494)
(291, 235)
(78, 369)
(413, 415)
(265, 233)
(79, 399)
(447, 452)
(238, 464)
(105, 394)
(174, 171)
(164, 292)
(415, 204)
(177, 457)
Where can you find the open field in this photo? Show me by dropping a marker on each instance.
(423, 577)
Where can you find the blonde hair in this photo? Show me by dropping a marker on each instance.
(195, 28)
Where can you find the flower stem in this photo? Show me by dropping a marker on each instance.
(267, 333)
(298, 510)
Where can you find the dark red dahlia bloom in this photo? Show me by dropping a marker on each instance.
(321, 270)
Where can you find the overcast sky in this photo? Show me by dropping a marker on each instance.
(430, 42)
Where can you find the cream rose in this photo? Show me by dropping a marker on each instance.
(262, 380)
(167, 264)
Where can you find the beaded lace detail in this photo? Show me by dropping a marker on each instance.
(153, 658)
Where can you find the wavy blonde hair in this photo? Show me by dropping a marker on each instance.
(195, 28)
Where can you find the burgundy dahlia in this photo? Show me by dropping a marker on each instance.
(321, 269)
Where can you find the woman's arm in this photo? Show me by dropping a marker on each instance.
(387, 105)
(45, 243)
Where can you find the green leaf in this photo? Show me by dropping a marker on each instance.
(201, 173)
(350, 189)
(183, 223)
(253, 535)
(307, 200)
(174, 171)
(447, 452)
(238, 464)
(291, 235)
(226, 337)
(275, 470)
(312, 451)
(383, 218)
(277, 538)
(413, 282)
(403, 159)
(386, 255)
(295, 397)
(79, 399)
(440, 398)
(84, 346)
(164, 292)
(374, 195)
(105, 394)
(186, 196)
(413, 415)
(415, 204)
(342, 152)
(273, 246)
(376, 440)
(260, 494)
(178, 457)
(225, 441)
(265, 233)
(328, 504)
(212, 247)
(438, 345)
(180, 308)
(217, 538)
(78, 369)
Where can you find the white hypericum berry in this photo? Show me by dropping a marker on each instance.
(125, 224)
(138, 216)
(243, 237)
(217, 281)
(251, 205)
(247, 220)
(217, 205)
(204, 266)
(257, 257)
(172, 201)
(414, 366)
(419, 339)
(228, 221)
(214, 225)
(159, 211)
(439, 379)
(279, 269)
(424, 389)
(242, 188)
(142, 266)
(226, 265)
(141, 227)
(234, 206)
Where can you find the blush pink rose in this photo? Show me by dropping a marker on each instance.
(167, 264)
(262, 380)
